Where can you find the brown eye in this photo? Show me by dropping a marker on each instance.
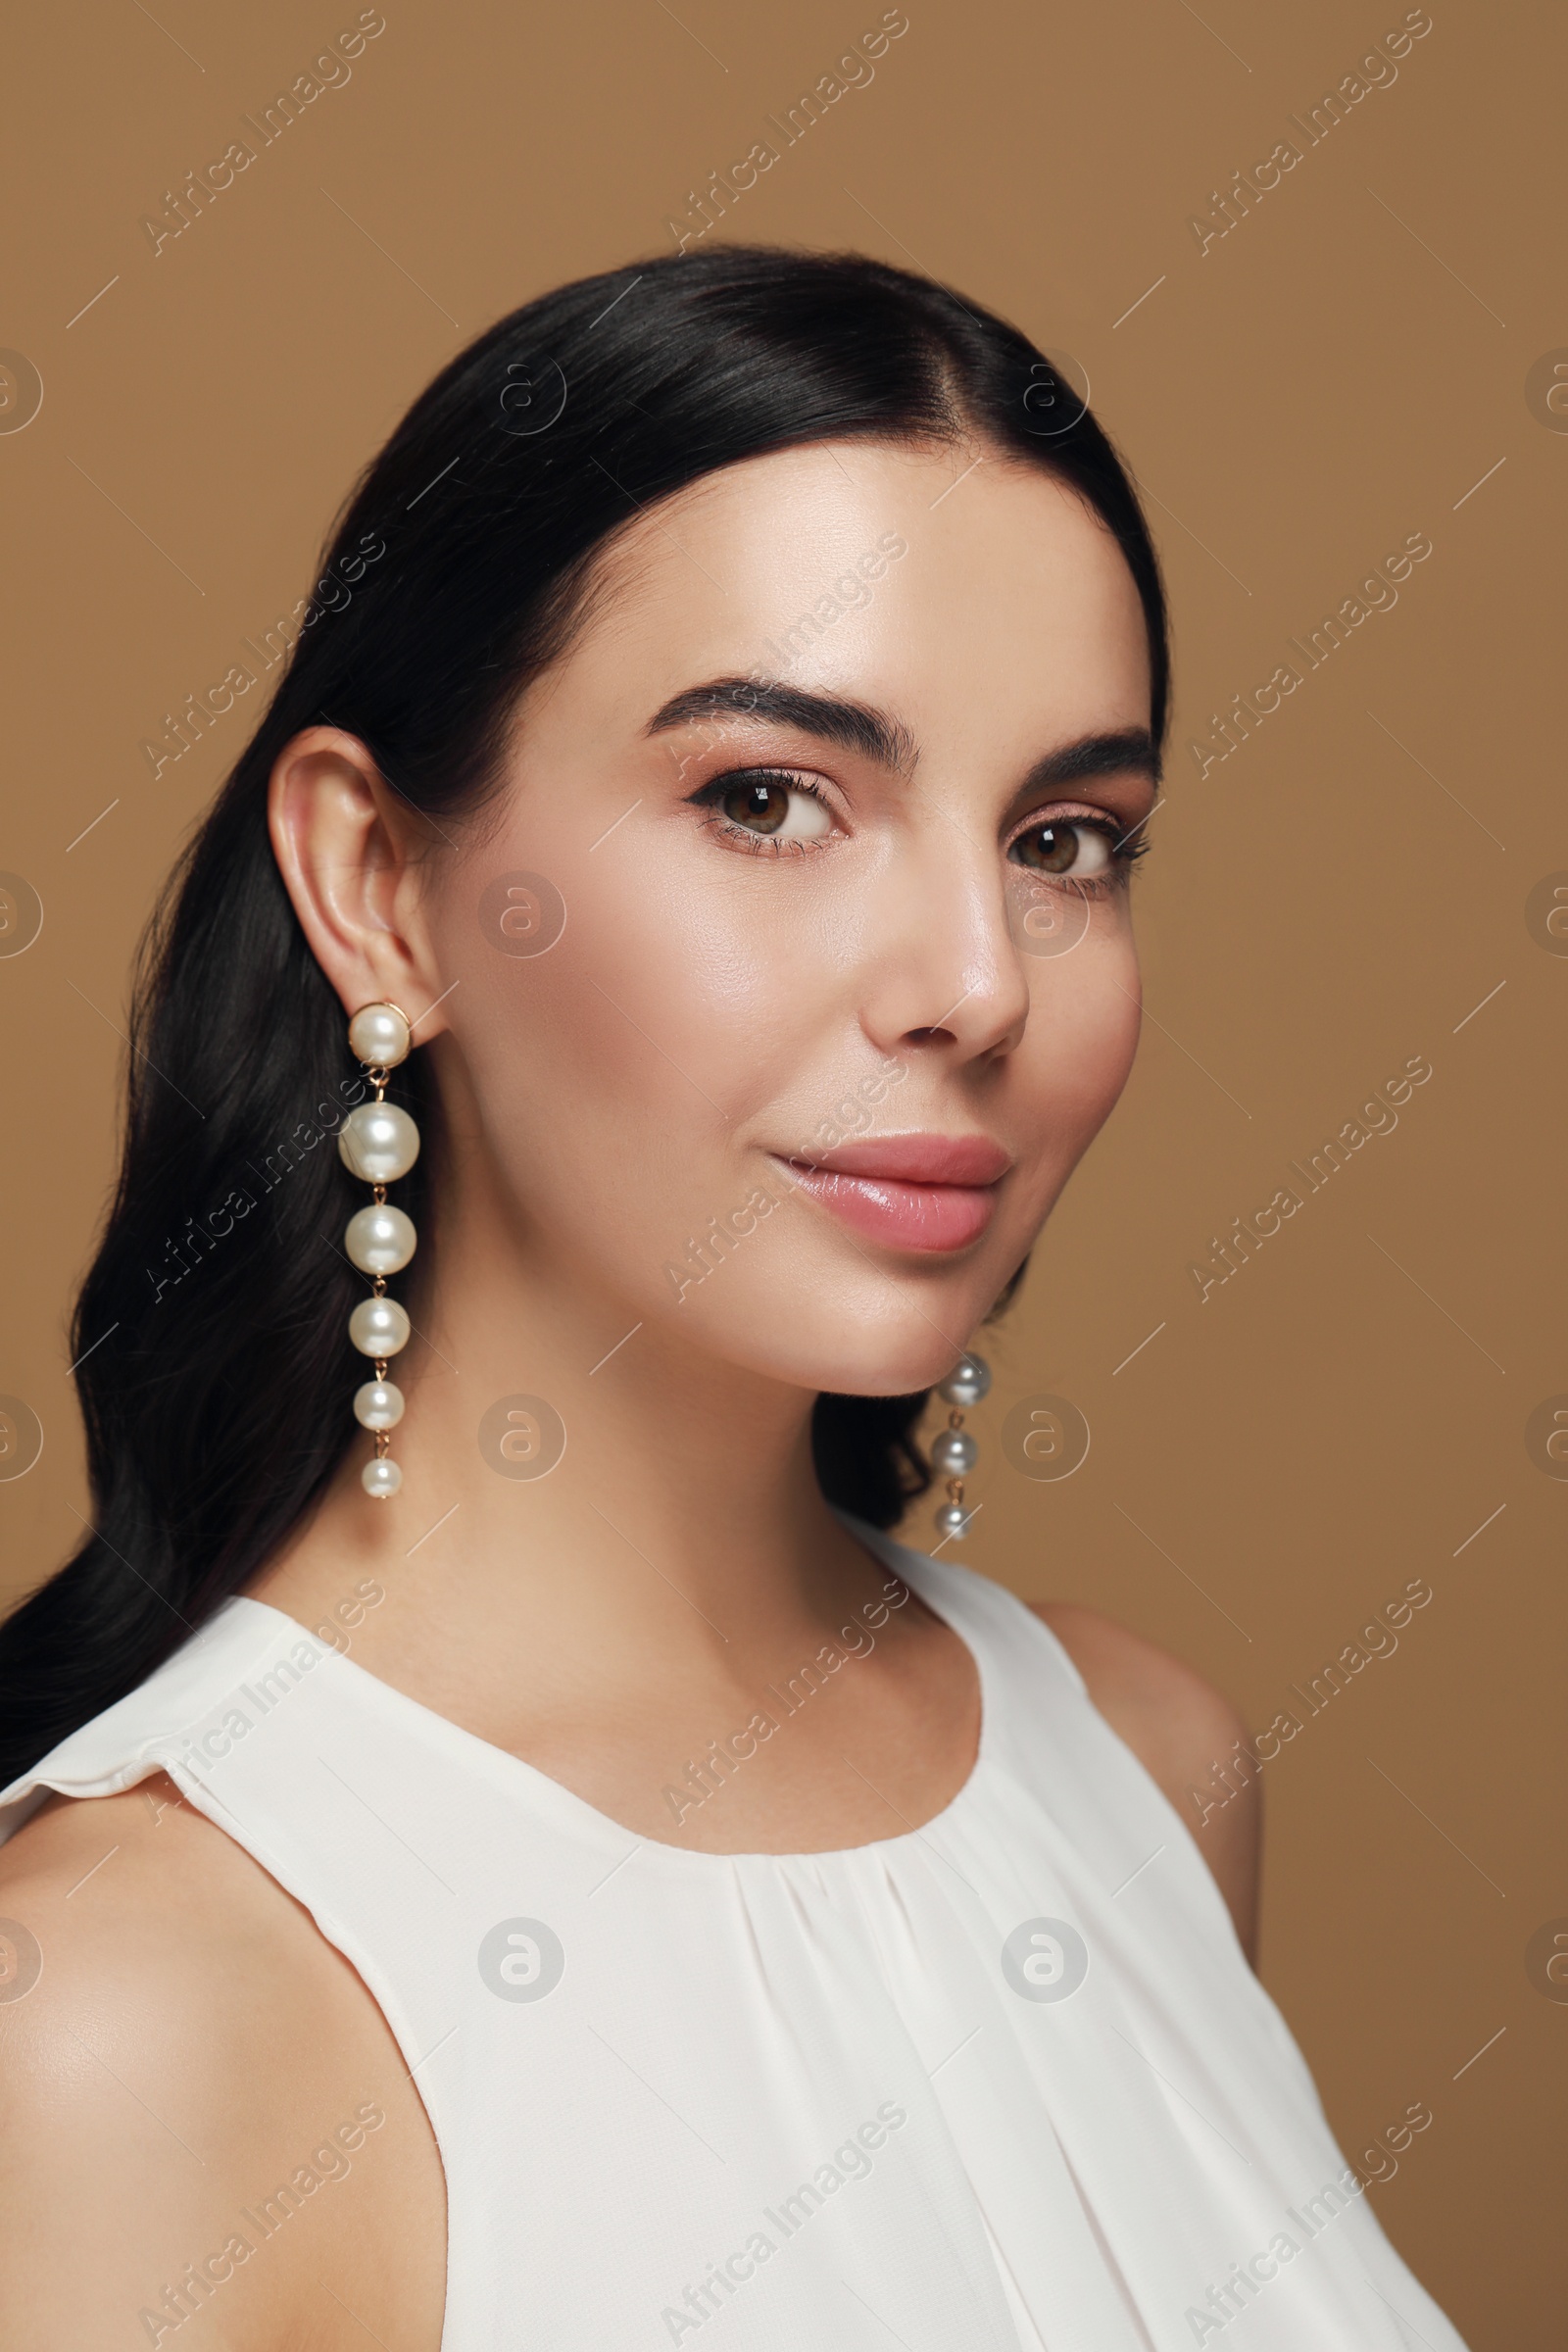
(770, 805)
(761, 805)
(1051, 848)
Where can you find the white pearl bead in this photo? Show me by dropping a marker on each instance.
(967, 1381)
(380, 1240)
(955, 1451)
(378, 1327)
(381, 1478)
(952, 1521)
(378, 1405)
(378, 1143)
(379, 1035)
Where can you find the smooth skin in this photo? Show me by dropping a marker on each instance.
(716, 992)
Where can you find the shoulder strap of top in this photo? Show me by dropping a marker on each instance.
(1016, 1652)
(1003, 1631)
(1045, 1732)
(133, 1738)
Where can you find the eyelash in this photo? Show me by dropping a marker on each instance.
(1125, 852)
(756, 845)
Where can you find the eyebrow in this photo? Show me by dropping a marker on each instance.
(1122, 752)
(861, 727)
(830, 718)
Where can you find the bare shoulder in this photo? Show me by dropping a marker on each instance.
(1178, 1725)
(189, 2073)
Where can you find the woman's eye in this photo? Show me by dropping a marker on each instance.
(774, 808)
(1063, 848)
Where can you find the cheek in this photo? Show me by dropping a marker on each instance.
(1084, 1009)
(1077, 1050)
(695, 995)
(658, 1024)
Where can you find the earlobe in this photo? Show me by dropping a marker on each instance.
(350, 863)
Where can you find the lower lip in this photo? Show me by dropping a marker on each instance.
(933, 1217)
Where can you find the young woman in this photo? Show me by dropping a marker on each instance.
(505, 1849)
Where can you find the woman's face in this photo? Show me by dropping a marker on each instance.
(833, 792)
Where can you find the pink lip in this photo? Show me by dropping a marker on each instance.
(964, 1159)
(909, 1192)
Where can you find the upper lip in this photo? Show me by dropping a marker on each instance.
(960, 1160)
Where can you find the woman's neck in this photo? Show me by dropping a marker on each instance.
(609, 1614)
(567, 1467)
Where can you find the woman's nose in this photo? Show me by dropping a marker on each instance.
(944, 969)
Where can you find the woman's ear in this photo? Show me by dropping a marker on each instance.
(351, 853)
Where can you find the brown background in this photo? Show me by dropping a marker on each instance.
(1337, 372)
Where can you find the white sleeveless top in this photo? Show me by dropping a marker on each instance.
(1005, 2083)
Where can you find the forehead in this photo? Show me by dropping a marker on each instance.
(968, 593)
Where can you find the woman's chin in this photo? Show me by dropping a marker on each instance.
(893, 1357)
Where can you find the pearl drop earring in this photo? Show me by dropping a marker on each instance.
(955, 1452)
(379, 1144)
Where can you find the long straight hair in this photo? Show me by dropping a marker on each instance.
(215, 1411)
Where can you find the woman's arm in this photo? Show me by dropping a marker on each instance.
(172, 2091)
